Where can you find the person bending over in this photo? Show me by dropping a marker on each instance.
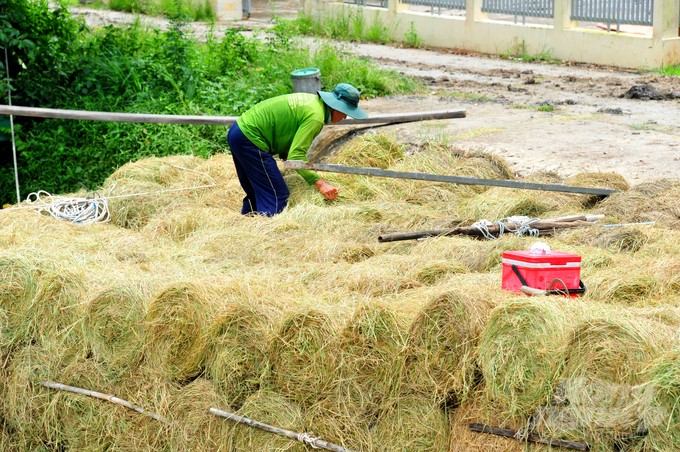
(285, 126)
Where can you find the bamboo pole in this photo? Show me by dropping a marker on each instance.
(315, 443)
(116, 117)
(297, 164)
(102, 396)
(397, 118)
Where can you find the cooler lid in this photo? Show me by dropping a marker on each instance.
(554, 258)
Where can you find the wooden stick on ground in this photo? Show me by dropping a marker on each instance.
(531, 437)
(545, 227)
(316, 443)
(102, 396)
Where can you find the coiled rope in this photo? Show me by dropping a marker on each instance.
(89, 210)
(81, 211)
(522, 226)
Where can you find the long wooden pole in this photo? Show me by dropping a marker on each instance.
(302, 437)
(209, 120)
(102, 396)
(297, 164)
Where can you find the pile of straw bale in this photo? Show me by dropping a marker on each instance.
(305, 322)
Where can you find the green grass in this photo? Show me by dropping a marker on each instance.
(470, 97)
(346, 26)
(669, 70)
(521, 52)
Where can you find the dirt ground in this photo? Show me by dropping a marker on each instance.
(602, 118)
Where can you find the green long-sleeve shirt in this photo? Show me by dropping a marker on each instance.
(286, 126)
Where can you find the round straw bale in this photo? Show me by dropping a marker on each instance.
(626, 239)
(662, 418)
(235, 358)
(302, 355)
(18, 276)
(82, 422)
(177, 224)
(601, 395)
(615, 285)
(521, 350)
(380, 275)
(614, 181)
(596, 412)
(57, 308)
(176, 322)
(133, 203)
(370, 150)
(412, 422)
(113, 326)
(194, 427)
(218, 169)
(432, 157)
(442, 340)
(133, 431)
(615, 348)
(24, 401)
(340, 421)
(159, 170)
(475, 410)
(273, 409)
(370, 347)
(8, 440)
(656, 201)
(499, 203)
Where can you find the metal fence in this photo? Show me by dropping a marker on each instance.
(637, 12)
(524, 8)
(438, 4)
(374, 3)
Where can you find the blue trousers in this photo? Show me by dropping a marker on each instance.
(266, 191)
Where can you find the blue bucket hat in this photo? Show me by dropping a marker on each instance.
(345, 99)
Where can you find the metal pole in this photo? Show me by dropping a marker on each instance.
(296, 164)
(11, 125)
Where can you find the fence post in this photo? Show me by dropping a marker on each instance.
(395, 6)
(562, 15)
(665, 21)
(473, 12)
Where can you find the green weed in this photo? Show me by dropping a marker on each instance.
(412, 39)
(669, 70)
(520, 51)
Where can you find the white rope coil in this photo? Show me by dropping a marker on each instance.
(523, 227)
(80, 211)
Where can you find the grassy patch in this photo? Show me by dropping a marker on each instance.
(470, 97)
(669, 70)
(521, 52)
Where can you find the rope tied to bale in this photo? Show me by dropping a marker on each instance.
(522, 226)
(308, 439)
(81, 211)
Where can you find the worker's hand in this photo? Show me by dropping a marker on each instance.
(328, 191)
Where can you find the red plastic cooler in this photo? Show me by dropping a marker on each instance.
(542, 271)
